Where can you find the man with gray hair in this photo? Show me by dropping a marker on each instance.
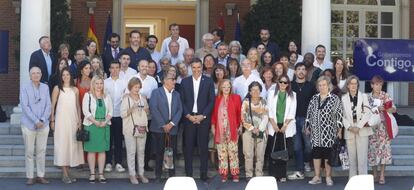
(174, 55)
(44, 59)
(207, 47)
(188, 57)
(35, 103)
(241, 83)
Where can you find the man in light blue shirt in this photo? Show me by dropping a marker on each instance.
(35, 103)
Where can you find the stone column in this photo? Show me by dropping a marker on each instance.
(35, 22)
(316, 25)
(202, 21)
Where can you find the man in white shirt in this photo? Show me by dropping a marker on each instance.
(148, 85)
(174, 55)
(241, 83)
(152, 41)
(115, 87)
(320, 60)
(126, 72)
(175, 36)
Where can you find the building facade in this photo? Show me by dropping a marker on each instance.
(350, 19)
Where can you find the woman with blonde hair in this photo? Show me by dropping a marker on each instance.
(97, 109)
(254, 57)
(97, 66)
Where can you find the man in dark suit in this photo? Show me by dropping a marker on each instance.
(165, 120)
(272, 47)
(223, 54)
(111, 54)
(44, 59)
(197, 96)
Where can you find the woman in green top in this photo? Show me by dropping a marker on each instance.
(282, 128)
(97, 108)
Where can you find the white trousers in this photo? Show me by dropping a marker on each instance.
(135, 147)
(35, 139)
(358, 155)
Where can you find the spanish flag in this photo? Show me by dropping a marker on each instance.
(92, 33)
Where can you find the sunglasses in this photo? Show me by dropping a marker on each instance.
(283, 82)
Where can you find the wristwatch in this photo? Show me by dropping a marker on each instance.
(204, 117)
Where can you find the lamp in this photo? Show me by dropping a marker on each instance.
(16, 5)
(230, 7)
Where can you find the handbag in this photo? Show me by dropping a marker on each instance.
(344, 157)
(168, 162)
(137, 131)
(82, 135)
(280, 154)
(334, 160)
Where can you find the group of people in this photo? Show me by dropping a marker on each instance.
(231, 108)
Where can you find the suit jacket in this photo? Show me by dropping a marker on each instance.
(37, 59)
(363, 115)
(159, 110)
(290, 112)
(205, 100)
(107, 58)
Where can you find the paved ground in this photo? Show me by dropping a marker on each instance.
(393, 183)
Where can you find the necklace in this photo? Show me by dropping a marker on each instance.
(300, 86)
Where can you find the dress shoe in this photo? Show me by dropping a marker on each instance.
(204, 177)
(42, 180)
(30, 181)
(171, 173)
(148, 168)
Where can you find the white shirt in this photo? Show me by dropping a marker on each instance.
(116, 89)
(169, 100)
(326, 64)
(156, 56)
(196, 86)
(222, 61)
(148, 85)
(126, 75)
(176, 59)
(183, 45)
(290, 74)
(241, 85)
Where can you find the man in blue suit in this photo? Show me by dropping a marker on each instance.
(44, 59)
(112, 53)
(197, 95)
(166, 111)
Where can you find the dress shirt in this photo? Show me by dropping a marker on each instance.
(148, 85)
(116, 89)
(156, 56)
(175, 59)
(48, 63)
(223, 61)
(326, 64)
(215, 45)
(35, 103)
(196, 86)
(126, 75)
(183, 45)
(241, 85)
(169, 100)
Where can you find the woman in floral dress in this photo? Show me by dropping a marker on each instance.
(379, 150)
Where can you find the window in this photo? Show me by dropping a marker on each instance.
(353, 19)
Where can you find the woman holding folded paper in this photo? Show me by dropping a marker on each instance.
(355, 120)
(379, 151)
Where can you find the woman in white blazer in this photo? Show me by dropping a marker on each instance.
(97, 108)
(355, 118)
(282, 112)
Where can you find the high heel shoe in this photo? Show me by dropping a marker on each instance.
(101, 178)
(92, 178)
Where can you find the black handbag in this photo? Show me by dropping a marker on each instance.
(280, 154)
(82, 135)
(334, 160)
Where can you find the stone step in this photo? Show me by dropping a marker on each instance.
(402, 149)
(406, 130)
(18, 150)
(403, 140)
(19, 161)
(10, 130)
(83, 173)
(403, 160)
(17, 140)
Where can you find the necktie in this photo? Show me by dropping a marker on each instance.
(115, 53)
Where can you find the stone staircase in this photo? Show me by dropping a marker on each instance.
(12, 163)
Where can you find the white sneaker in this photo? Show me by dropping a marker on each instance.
(108, 167)
(296, 175)
(119, 168)
(307, 167)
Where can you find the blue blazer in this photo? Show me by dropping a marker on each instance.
(159, 110)
(107, 59)
(205, 100)
(37, 59)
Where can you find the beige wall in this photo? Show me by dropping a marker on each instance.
(161, 16)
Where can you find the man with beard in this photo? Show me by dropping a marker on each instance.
(311, 71)
(152, 41)
(265, 39)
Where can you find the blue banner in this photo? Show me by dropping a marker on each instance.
(392, 59)
(4, 51)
